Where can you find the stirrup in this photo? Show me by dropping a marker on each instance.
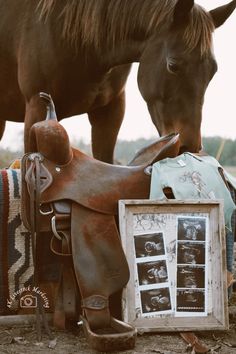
(119, 336)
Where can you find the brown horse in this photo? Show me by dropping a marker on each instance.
(80, 51)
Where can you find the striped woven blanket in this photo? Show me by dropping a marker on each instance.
(16, 266)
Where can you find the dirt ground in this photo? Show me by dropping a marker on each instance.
(22, 340)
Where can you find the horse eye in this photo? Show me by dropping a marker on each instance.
(173, 67)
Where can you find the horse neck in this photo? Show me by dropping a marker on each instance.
(129, 34)
(129, 52)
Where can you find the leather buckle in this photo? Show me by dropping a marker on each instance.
(95, 302)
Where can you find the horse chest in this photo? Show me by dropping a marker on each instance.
(83, 100)
(106, 87)
(84, 95)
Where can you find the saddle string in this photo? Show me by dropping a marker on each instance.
(35, 234)
(59, 226)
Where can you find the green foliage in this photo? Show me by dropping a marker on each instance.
(228, 155)
(125, 150)
(80, 144)
(211, 145)
(8, 156)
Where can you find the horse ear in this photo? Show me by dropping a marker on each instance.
(220, 14)
(181, 12)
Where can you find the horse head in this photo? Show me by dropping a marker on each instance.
(174, 87)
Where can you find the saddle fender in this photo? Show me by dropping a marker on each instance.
(101, 267)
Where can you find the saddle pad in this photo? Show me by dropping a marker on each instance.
(16, 265)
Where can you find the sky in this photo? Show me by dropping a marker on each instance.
(219, 110)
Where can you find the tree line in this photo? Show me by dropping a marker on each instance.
(125, 150)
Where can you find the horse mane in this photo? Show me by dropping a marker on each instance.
(95, 22)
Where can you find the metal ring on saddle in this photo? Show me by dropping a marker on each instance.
(50, 211)
(35, 155)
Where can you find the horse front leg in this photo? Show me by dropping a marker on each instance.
(2, 128)
(35, 112)
(106, 122)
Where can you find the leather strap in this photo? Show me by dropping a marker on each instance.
(34, 188)
(66, 300)
(69, 287)
(66, 303)
(95, 302)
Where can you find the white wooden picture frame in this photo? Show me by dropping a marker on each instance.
(177, 259)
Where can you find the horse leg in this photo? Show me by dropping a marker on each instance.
(35, 112)
(106, 122)
(2, 128)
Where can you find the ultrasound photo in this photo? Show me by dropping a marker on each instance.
(190, 253)
(190, 277)
(152, 272)
(191, 229)
(190, 300)
(149, 245)
(155, 300)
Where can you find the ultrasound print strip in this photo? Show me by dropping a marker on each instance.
(191, 265)
(152, 273)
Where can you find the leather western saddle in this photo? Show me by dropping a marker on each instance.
(75, 198)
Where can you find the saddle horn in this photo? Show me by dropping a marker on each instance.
(49, 137)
